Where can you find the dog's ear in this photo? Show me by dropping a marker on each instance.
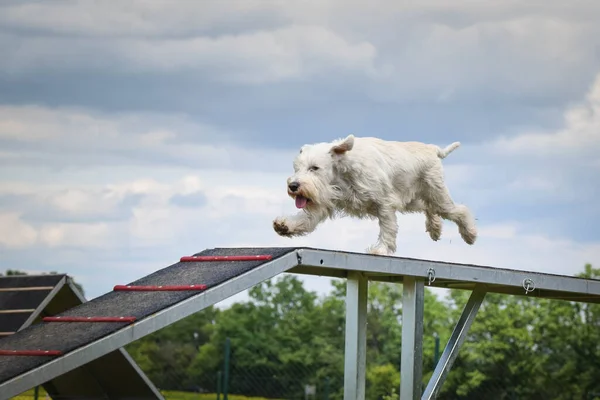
(344, 146)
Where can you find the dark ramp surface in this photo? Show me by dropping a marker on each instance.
(22, 299)
(70, 336)
(22, 281)
(12, 322)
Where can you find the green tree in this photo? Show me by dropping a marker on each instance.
(524, 347)
(166, 355)
(568, 346)
(382, 380)
(278, 339)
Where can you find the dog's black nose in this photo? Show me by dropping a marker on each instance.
(294, 186)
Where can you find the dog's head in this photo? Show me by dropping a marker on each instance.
(314, 172)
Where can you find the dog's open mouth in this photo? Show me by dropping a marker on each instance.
(301, 201)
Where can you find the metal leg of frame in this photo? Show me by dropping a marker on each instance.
(356, 336)
(454, 344)
(411, 367)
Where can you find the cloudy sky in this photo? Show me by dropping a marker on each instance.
(135, 132)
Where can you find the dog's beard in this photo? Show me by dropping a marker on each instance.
(314, 195)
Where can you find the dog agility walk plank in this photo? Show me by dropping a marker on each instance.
(84, 342)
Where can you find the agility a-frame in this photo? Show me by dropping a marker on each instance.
(27, 299)
(84, 333)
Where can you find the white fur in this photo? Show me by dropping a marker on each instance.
(373, 178)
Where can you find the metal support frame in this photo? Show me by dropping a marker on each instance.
(450, 275)
(454, 344)
(411, 362)
(355, 357)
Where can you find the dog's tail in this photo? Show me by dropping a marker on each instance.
(443, 153)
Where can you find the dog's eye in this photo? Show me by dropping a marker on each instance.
(313, 168)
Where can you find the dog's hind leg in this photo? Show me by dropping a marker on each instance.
(439, 202)
(433, 222)
(433, 225)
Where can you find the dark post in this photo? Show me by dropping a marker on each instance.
(226, 369)
(436, 353)
(326, 389)
(36, 392)
(219, 385)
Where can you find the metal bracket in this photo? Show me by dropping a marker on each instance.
(431, 276)
(528, 285)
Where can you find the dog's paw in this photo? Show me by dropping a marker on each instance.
(435, 233)
(433, 226)
(379, 250)
(281, 227)
(435, 236)
(468, 235)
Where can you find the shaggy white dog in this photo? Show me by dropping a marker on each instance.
(373, 178)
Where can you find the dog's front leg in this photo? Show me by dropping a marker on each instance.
(388, 231)
(299, 224)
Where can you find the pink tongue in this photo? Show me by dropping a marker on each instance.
(301, 201)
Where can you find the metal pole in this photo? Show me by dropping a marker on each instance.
(226, 369)
(356, 336)
(219, 382)
(36, 392)
(436, 352)
(326, 389)
(454, 343)
(411, 367)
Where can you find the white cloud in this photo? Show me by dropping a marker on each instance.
(291, 52)
(34, 123)
(398, 51)
(78, 201)
(266, 56)
(14, 233)
(72, 136)
(147, 18)
(161, 18)
(580, 135)
(87, 235)
(153, 220)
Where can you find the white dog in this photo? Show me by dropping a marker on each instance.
(373, 178)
